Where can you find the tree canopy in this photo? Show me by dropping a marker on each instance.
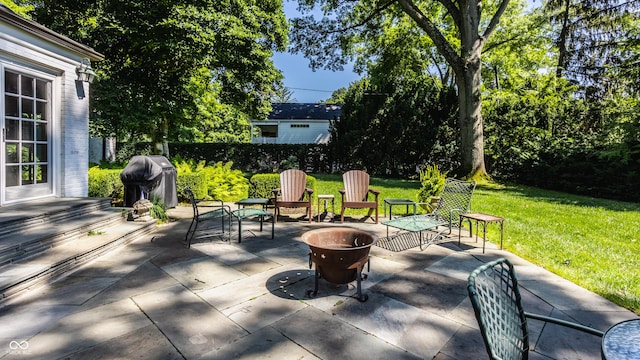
(155, 51)
(592, 37)
(457, 30)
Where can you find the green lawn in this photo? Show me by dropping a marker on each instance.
(592, 242)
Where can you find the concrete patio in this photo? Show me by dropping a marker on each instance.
(156, 299)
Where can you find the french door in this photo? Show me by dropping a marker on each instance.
(25, 159)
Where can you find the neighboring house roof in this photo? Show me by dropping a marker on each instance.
(298, 111)
(38, 30)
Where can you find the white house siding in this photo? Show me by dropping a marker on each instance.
(75, 139)
(69, 132)
(317, 132)
(297, 123)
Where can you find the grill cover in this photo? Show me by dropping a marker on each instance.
(149, 177)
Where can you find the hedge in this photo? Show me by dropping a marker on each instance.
(262, 185)
(105, 183)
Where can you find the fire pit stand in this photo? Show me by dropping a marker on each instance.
(340, 255)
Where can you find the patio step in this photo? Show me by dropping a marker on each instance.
(58, 239)
(17, 218)
(35, 233)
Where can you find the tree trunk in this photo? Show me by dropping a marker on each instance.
(470, 119)
(161, 145)
(466, 66)
(562, 40)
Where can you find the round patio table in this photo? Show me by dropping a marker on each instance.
(622, 341)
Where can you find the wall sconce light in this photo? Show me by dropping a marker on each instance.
(85, 72)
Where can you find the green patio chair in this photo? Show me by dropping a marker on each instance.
(455, 199)
(203, 213)
(495, 296)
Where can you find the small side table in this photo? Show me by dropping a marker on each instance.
(325, 198)
(484, 219)
(243, 213)
(253, 201)
(392, 202)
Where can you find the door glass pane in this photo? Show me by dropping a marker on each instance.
(13, 176)
(11, 153)
(10, 82)
(27, 85)
(41, 89)
(27, 109)
(41, 131)
(27, 174)
(26, 115)
(41, 153)
(41, 110)
(27, 130)
(11, 106)
(41, 174)
(27, 153)
(12, 129)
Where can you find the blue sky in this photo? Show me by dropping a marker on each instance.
(309, 86)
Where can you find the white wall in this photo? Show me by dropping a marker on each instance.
(70, 127)
(316, 133)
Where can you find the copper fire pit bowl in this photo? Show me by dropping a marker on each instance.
(339, 254)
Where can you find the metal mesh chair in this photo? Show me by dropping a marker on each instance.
(454, 200)
(495, 296)
(214, 212)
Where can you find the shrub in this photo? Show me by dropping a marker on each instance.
(432, 182)
(222, 182)
(159, 211)
(105, 183)
(196, 181)
(262, 185)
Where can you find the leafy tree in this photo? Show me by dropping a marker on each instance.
(337, 97)
(457, 29)
(393, 126)
(283, 95)
(18, 9)
(153, 51)
(592, 36)
(216, 122)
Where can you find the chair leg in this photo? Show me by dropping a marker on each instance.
(272, 228)
(195, 227)
(186, 237)
(376, 215)
(342, 216)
